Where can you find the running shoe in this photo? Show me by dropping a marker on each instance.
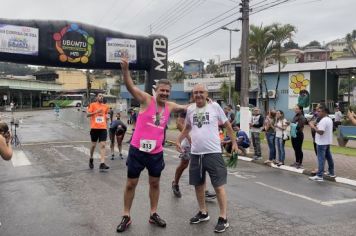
(330, 175)
(200, 217)
(222, 225)
(157, 220)
(112, 156)
(91, 163)
(124, 224)
(103, 166)
(209, 195)
(121, 156)
(317, 178)
(176, 191)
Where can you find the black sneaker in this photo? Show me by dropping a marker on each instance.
(209, 196)
(112, 156)
(176, 191)
(91, 163)
(200, 217)
(121, 156)
(103, 166)
(155, 219)
(125, 223)
(222, 225)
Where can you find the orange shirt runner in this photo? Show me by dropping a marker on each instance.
(99, 120)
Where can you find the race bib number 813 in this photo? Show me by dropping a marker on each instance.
(147, 145)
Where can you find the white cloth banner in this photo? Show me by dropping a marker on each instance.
(118, 48)
(18, 39)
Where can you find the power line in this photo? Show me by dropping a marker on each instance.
(182, 38)
(258, 3)
(178, 15)
(174, 8)
(166, 13)
(276, 3)
(197, 39)
(190, 32)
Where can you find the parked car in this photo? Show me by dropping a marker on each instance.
(310, 115)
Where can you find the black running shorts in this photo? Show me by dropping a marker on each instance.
(98, 134)
(137, 161)
(213, 163)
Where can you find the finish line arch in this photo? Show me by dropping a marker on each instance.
(81, 46)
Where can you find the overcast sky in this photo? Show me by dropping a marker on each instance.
(322, 20)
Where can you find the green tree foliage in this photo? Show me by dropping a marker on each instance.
(175, 71)
(290, 45)
(314, 44)
(280, 34)
(212, 68)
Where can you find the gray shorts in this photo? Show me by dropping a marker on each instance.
(213, 163)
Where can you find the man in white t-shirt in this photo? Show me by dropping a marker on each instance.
(323, 139)
(201, 123)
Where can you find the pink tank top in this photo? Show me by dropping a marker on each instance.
(148, 135)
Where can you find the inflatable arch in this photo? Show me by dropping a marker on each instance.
(82, 46)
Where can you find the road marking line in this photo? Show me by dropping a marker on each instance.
(63, 146)
(19, 158)
(86, 151)
(245, 158)
(294, 194)
(53, 150)
(47, 143)
(331, 203)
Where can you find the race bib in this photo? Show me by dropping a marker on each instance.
(147, 145)
(99, 119)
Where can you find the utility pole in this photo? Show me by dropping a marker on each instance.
(245, 71)
(88, 86)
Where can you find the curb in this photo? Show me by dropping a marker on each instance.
(340, 180)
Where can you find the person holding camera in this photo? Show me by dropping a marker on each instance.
(117, 130)
(5, 144)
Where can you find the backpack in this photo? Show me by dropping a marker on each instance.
(293, 130)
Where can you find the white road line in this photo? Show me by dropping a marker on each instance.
(331, 203)
(48, 143)
(19, 158)
(63, 146)
(86, 151)
(53, 150)
(294, 194)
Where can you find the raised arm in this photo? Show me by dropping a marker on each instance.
(138, 94)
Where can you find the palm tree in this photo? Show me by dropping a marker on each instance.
(280, 33)
(350, 38)
(260, 40)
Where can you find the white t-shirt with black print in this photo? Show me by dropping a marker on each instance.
(205, 127)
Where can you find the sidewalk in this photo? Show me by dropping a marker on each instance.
(345, 166)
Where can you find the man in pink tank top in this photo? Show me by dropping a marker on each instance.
(146, 150)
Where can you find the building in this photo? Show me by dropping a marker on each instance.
(25, 91)
(313, 77)
(193, 69)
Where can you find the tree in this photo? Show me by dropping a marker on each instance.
(176, 72)
(224, 90)
(280, 33)
(290, 45)
(350, 39)
(212, 68)
(260, 40)
(314, 43)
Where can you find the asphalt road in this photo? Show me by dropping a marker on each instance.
(47, 189)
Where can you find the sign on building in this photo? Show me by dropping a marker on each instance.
(212, 84)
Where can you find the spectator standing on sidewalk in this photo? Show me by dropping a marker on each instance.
(270, 135)
(323, 139)
(237, 115)
(256, 125)
(281, 126)
(5, 144)
(338, 117)
(297, 142)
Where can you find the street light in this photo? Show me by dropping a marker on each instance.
(235, 30)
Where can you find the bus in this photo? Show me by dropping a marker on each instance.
(110, 100)
(64, 100)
